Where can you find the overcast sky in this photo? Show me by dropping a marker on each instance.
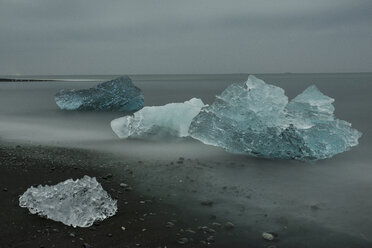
(170, 36)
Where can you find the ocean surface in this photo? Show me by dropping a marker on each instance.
(256, 194)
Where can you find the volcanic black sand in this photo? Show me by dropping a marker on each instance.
(141, 221)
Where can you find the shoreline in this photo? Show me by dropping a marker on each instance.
(144, 218)
(144, 214)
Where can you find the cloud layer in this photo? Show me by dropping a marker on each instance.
(167, 36)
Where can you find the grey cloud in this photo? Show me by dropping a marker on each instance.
(167, 36)
(331, 17)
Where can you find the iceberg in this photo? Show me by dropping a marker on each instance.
(116, 95)
(256, 119)
(172, 119)
(75, 203)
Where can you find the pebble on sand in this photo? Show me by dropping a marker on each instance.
(123, 185)
(216, 224)
(183, 241)
(169, 224)
(207, 203)
(229, 225)
(268, 236)
(210, 239)
(315, 206)
(86, 245)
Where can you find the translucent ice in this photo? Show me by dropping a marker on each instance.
(116, 95)
(73, 202)
(255, 118)
(172, 119)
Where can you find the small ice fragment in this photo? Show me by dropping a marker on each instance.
(75, 203)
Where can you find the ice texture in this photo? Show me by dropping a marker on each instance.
(75, 203)
(116, 95)
(255, 118)
(172, 119)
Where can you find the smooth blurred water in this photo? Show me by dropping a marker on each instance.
(244, 189)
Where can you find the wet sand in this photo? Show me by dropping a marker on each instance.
(144, 217)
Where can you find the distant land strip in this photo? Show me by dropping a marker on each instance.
(26, 80)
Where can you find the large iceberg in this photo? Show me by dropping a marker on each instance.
(76, 203)
(255, 118)
(172, 119)
(116, 95)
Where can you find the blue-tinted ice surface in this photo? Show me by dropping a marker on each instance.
(79, 202)
(116, 95)
(255, 118)
(172, 119)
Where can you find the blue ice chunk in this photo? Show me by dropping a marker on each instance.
(170, 120)
(255, 118)
(116, 95)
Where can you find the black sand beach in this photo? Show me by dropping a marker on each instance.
(141, 221)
